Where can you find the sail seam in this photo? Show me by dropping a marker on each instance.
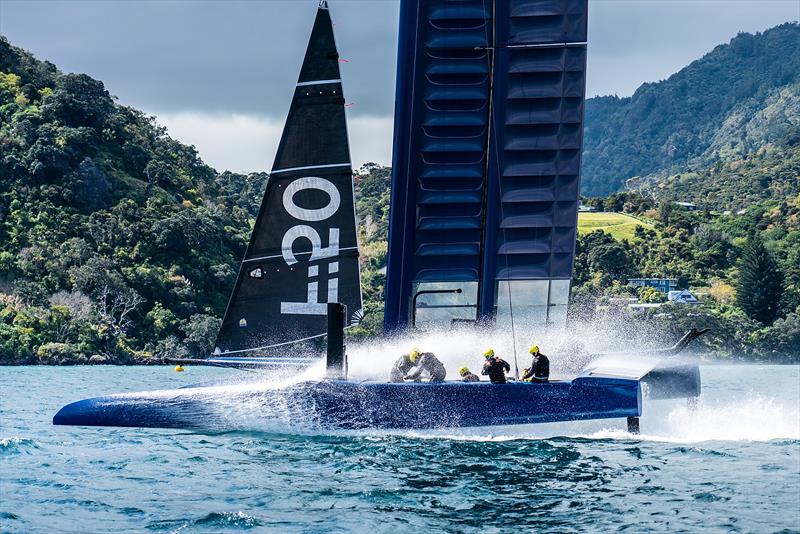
(309, 167)
(318, 82)
(281, 255)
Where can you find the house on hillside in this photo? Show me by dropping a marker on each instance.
(586, 209)
(688, 206)
(682, 296)
(664, 285)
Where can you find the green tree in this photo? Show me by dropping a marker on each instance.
(760, 284)
(201, 331)
(782, 339)
(610, 259)
(650, 295)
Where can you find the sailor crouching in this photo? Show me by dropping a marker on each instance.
(426, 361)
(403, 365)
(466, 375)
(539, 371)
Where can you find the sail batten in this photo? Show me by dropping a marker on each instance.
(312, 167)
(264, 258)
(303, 251)
(317, 82)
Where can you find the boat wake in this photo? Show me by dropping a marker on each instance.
(762, 419)
(754, 416)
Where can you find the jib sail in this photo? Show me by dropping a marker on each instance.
(303, 251)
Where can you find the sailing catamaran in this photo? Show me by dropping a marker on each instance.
(299, 280)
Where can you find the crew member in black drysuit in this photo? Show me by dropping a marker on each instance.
(426, 361)
(539, 371)
(495, 368)
(403, 365)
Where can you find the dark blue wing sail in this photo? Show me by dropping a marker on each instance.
(303, 252)
(486, 160)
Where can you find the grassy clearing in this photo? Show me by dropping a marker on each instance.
(619, 225)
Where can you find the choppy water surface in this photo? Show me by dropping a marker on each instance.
(734, 465)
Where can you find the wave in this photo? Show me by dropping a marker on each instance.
(16, 445)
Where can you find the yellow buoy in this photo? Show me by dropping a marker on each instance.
(178, 368)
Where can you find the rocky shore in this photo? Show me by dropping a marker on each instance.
(80, 359)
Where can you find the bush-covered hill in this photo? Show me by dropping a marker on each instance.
(115, 240)
(728, 104)
(117, 243)
(733, 184)
(703, 249)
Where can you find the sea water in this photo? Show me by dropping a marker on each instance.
(731, 465)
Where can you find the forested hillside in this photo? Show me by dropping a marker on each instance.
(115, 240)
(735, 183)
(730, 103)
(119, 244)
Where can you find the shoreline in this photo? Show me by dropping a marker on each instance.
(704, 359)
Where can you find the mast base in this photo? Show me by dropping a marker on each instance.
(633, 425)
(336, 356)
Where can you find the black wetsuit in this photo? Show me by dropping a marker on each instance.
(400, 368)
(539, 371)
(428, 362)
(470, 377)
(496, 369)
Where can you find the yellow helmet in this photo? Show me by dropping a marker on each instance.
(534, 349)
(463, 370)
(414, 354)
(488, 354)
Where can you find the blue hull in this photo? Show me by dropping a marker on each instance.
(352, 405)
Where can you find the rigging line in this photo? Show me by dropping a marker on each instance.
(283, 344)
(486, 167)
(224, 353)
(203, 361)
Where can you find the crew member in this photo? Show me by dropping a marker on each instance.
(426, 361)
(495, 367)
(466, 375)
(539, 371)
(403, 365)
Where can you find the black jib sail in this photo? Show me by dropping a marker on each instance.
(303, 252)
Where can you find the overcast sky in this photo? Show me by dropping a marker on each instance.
(220, 74)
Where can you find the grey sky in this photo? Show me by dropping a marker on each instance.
(219, 74)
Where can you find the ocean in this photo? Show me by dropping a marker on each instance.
(733, 465)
